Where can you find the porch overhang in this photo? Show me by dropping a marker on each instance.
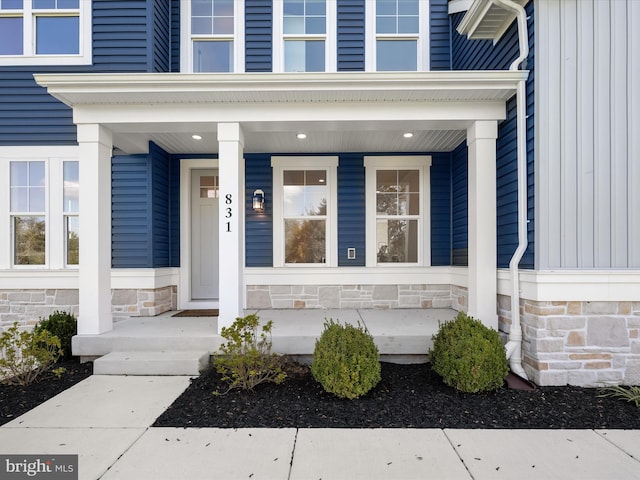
(272, 107)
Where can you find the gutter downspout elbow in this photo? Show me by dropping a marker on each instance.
(514, 345)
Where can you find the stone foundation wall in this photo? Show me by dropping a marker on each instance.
(29, 306)
(350, 296)
(578, 343)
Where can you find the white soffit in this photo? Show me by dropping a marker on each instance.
(487, 20)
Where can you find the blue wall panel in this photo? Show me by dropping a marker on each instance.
(160, 165)
(482, 54)
(439, 36)
(351, 35)
(160, 36)
(175, 35)
(351, 209)
(459, 205)
(258, 226)
(440, 209)
(130, 207)
(258, 35)
(29, 116)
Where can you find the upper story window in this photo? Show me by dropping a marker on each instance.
(45, 32)
(304, 38)
(212, 35)
(397, 35)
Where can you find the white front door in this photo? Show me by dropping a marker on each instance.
(204, 234)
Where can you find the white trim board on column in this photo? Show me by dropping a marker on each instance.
(184, 287)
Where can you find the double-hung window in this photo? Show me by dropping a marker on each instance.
(397, 210)
(211, 38)
(305, 35)
(304, 211)
(28, 212)
(40, 32)
(397, 35)
(70, 213)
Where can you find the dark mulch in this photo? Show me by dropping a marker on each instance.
(16, 400)
(409, 396)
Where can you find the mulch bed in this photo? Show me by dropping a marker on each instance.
(16, 400)
(409, 396)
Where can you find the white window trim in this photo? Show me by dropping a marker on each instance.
(54, 214)
(422, 62)
(330, 37)
(422, 163)
(279, 164)
(186, 43)
(29, 57)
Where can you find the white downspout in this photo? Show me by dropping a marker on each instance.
(514, 345)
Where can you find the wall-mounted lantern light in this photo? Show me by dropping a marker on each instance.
(258, 201)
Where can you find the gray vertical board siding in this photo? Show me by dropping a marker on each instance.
(586, 134)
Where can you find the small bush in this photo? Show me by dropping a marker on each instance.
(26, 354)
(630, 394)
(346, 360)
(64, 326)
(469, 356)
(246, 360)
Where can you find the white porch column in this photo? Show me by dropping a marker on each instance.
(481, 140)
(95, 229)
(232, 204)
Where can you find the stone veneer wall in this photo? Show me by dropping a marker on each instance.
(578, 343)
(354, 296)
(29, 306)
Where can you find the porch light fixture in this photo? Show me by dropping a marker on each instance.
(407, 135)
(258, 200)
(301, 136)
(196, 137)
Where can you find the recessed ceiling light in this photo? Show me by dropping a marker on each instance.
(196, 137)
(407, 134)
(301, 136)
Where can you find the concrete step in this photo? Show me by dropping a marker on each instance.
(152, 363)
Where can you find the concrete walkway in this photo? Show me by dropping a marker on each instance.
(106, 421)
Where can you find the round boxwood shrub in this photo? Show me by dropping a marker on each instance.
(64, 326)
(469, 356)
(346, 360)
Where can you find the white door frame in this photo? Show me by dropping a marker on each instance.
(184, 289)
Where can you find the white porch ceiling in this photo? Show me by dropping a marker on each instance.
(339, 112)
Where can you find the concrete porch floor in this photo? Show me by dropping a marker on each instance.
(167, 345)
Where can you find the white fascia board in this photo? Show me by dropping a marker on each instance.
(461, 112)
(574, 285)
(457, 6)
(123, 278)
(158, 88)
(487, 19)
(352, 276)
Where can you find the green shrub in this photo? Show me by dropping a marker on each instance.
(346, 360)
(64, 326)
(469, 356)
(246, 360)
(26, 354)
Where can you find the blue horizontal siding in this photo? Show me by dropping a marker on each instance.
(160, 36)
(439, 35)
(479, 55)
(160, 165)
(258, 226)
(130, 205)
(441, 209)
(351, 209)
(175, 35)
(460, 205)
(258, 16)
(29, 116)
(351, 35)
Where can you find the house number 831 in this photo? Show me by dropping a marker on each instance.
(228, 200)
